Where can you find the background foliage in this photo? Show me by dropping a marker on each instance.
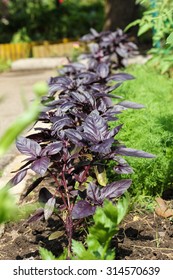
(48, 20)
(149, 129)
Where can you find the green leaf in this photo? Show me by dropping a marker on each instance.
(144, 28)
(170, 39)
(101, 176)
(18, 126)
(80, 251)
(55, 235)
(135, 22)
(46, 255)
(122, 207)
(8, 208)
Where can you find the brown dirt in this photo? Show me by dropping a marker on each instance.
(142, 236)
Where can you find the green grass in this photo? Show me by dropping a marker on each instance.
(149, 129)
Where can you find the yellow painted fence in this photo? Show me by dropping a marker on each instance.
(33, 49)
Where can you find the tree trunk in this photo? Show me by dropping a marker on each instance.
(119, 13)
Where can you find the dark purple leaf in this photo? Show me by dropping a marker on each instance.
(94, 48)
(95, 127)
(87, 38)
(115, 189)
(39, 214)
(28, 147)
(18, 178)
(129, 104)
(49, 207)
(31, 187)
(111, 88)
(114, 131)
(94, 32)
(40, 165)
(123, 169)
(87, 78)
(121, 51)
(103, 147)
(59, 80)
(52, 149)
(102, 70)
(61, 122)
(93, 193)
(74, 136)
(120, 77)
(82, 209)
(133, 153)
(44, 195)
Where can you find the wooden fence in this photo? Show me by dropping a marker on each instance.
(46, 49)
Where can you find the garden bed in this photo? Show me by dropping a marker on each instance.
(143, 235)
(148, 238)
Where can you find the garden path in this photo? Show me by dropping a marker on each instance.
(16, 88)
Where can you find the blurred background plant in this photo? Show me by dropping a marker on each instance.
(39, 20)
(157, 20)
(5, 64)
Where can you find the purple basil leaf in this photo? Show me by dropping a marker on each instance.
(120, 77)
(133, 153)
(122, 52)
(93, 192)
(40, 165)
(49, 207)
(115, 189)
(82, 209)
(28, 147)
(111, 88)
(37, 216)
(123, 169)
(114, 131)
(94, 48)
(86, 78)
(60, 122)
(102, 70)
(87, 38)
(18, 177)
(103, 147)
(44, 195)
(52, 149)
(94, 32)
(74, 136)
(31, 187)
(129, 104)
(95, 127)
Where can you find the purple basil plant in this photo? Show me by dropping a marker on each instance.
(76, 146)
(113, 48)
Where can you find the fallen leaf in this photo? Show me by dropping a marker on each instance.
(55, 235)
(162, 209)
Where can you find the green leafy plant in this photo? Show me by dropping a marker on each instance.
(98, 241)
(106, 221)
(8, 209)
(157, 17)
(152, 131)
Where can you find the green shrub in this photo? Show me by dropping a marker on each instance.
(149, 129)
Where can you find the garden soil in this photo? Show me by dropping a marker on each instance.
(142, 236)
